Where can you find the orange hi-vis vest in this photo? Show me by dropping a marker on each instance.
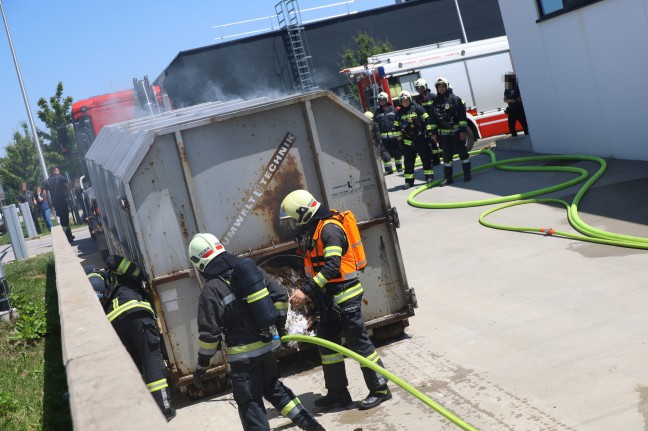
(351, 261)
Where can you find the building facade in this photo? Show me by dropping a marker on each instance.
(582, 67)
(261, 65)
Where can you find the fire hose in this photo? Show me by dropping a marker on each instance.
(377, 368)
(589, 233)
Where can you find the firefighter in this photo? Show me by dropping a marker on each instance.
(390, 138)
(425, 97)
(119, 288)
(412, 121)
(449, 129)
(223, 317)
(336, 291)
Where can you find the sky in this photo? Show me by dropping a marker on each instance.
(98, 47)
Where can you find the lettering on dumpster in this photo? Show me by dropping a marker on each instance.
(259, 187)
(352, 187)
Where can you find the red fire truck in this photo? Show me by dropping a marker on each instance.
(91, 115)
(475, 71)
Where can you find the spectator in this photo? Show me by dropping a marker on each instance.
(43, 207)
(28, 197)
(58, 189)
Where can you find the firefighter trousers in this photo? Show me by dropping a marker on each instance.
(421, 147)
(254, 380)
(139, 334)
(350, 323)
(390, 147)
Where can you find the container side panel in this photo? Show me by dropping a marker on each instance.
(243, 167)
(163, 210)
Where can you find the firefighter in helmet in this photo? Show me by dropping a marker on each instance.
(335, 289)
(119, 288)
(412, 122)
(225, 317)
(449, 129)
(425, 97)
(390, 137)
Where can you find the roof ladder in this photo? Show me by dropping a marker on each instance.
(288, 17)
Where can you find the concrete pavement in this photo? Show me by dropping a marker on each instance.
(514, 331)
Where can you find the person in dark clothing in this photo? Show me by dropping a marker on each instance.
(515, 108)
(390, 146)
(336, 290)
(43, 208)
(58, 188)
(449, 129)
(225, 317)
(425, 97)
(412, 121)
(28, 196)
(119, 288)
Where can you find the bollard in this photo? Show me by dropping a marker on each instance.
(27, 219)
(12, 222)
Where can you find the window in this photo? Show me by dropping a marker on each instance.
(549, 8)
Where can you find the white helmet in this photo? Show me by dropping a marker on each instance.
(421, 83)
(299, 205)
(382, 95)
(440, 81)
(203, 248)
(405, 95)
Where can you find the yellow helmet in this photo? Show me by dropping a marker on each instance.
(369, 115)
(299, 205)
(203, 248)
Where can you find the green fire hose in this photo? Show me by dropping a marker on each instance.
(403, 384)
(589, 233)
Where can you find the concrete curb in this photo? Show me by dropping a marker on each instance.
(515, 143)
(106, 389)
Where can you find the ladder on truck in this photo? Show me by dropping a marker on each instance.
(288, 17)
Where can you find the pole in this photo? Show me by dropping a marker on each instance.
(463, 30)
(24, 94)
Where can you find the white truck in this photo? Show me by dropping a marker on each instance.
(475, 71)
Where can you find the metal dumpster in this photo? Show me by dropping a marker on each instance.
(224, 168)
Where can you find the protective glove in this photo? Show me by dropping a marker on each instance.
(199, 377)
(283, 331)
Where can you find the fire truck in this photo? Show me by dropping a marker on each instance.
(475, 71)
(91, 115)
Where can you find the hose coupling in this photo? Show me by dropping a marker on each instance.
(547, 231)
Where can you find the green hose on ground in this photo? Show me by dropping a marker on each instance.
(589, 233)
(377, 368)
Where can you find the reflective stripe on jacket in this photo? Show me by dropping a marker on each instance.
(314, 260)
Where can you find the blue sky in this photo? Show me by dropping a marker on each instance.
(97, 47)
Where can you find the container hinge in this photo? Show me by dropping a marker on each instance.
(392, 217)
(123, 203)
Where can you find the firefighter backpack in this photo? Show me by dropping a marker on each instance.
(247, 282)
(348, 221)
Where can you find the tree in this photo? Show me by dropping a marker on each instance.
(21, 163)
(364, 46)
(57, 115)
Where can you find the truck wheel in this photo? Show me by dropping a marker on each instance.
(470, 139)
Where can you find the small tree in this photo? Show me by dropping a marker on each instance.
(356, 54)
(57, 115)
(21, 163)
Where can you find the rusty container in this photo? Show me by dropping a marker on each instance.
(224, 168)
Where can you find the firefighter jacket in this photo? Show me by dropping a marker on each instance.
(412, 122)
(449, 115)
(425, 101)
(223, 318)
(330, 263)
(384, 117)
(126, 300)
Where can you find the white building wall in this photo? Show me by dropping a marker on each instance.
(583, 76)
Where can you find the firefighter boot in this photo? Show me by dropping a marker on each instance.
(466, 170)
(399, 166)
(335, 397)
(374, 398)
(388, 169)
(447, 173)
(305, 420)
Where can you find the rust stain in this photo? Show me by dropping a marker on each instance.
(289, 177)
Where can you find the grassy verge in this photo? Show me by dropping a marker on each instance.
(33, 383)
